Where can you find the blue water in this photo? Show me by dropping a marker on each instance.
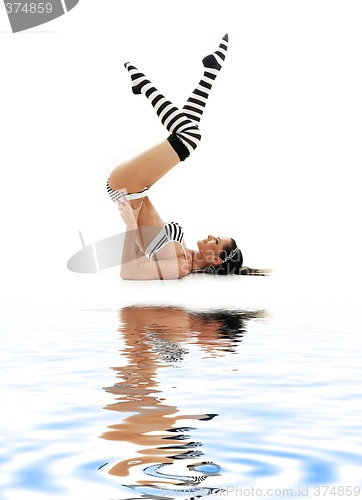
(169, 401)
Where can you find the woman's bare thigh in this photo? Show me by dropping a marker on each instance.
(149, 225)
(148, 215)
(149, 222)
(144, 169)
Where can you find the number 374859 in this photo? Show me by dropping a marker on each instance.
(28, 8)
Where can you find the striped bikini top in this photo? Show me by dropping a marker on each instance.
(171, 231)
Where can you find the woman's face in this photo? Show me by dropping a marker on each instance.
(211, 246)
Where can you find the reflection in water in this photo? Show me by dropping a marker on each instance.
(154, 338)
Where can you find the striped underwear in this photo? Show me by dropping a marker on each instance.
(171, 231)
(116, 195)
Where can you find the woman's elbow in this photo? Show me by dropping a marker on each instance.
(125, 275)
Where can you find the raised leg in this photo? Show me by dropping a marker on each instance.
(182, 124)
(185, 135)
(196, 103)
(145, 169)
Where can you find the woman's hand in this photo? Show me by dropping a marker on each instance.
(128, 214)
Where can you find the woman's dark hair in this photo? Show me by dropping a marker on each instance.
(232, 259)
(232, 263)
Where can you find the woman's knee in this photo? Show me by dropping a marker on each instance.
(116, 181)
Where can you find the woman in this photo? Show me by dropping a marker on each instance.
(152, 248)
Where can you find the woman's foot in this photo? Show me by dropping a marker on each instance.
(215, 60)
(138, 79)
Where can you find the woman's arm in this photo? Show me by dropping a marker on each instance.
(131, 267)
(160, 270)
(129, 256)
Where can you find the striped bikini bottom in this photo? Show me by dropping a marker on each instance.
(170, 232)
(116, 195)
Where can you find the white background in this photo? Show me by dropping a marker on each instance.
(278, 168)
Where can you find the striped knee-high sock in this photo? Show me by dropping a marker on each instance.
(196, 103)
(185, 134)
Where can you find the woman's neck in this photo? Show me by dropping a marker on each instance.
(198, 262)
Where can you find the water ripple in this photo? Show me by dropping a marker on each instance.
(194, 402)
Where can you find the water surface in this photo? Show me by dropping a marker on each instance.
(169, 401)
